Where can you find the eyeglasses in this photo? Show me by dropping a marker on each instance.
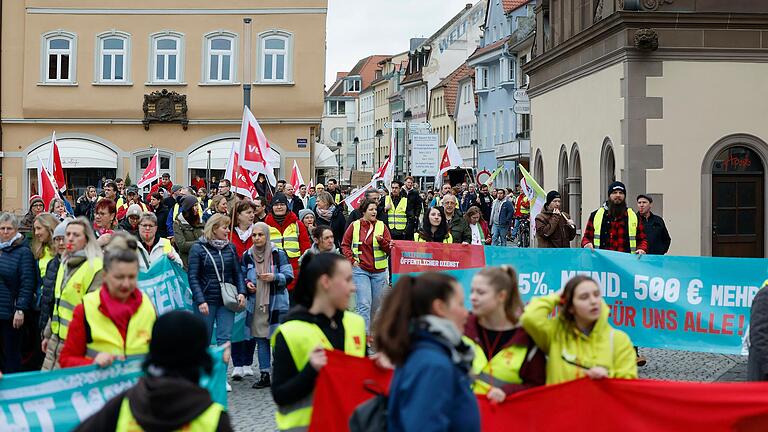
(38, 205)
(147, 226)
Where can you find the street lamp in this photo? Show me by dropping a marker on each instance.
(356, 143)
(473, 143)
(338, 159)
(407, 116)
(379, 135)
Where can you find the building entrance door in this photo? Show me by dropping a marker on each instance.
(738, 203)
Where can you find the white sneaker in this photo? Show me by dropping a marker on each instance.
(247, 371)
(229, 387)
(237, 373)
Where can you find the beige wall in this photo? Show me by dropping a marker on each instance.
(442, 124)
(703, 102)
(381, 116)
(585, 112)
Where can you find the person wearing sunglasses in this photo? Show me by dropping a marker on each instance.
(579, 340)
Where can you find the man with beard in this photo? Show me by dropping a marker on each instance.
(615, 227)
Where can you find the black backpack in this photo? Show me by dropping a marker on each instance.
(371, 415)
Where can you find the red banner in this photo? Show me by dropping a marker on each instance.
(583, 405)
(414, 257)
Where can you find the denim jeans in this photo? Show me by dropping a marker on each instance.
(242, 352)
(499, 235)
(370, 287)
(515, 227)
(224, 320)
(263, 353)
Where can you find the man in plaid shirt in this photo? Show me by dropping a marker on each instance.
(616, 224)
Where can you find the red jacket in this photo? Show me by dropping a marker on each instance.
(156, 187)
(366, 247)
(304, 243)
(75, 347)
(197, 184)
(240, 246)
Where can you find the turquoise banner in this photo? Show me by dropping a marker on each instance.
(673, 302)
(60, 400)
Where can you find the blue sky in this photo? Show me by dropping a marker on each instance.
(359, 28)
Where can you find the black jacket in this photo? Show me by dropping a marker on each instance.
(656, 235)
(157, 404)
(337, 223)
(46, 294)
(486, 203)
(85, 207)
(162, 217)
(296, 205)
(412, 211)
(757, 363)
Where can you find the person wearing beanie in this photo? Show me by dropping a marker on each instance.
(187, 226)
(130, 222)
(36, 206)
(554, 229)
(168, 397)
(287, 233)
(307, 217)
(180, 195)
(616, 227)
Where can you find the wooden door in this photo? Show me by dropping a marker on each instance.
(737, 215)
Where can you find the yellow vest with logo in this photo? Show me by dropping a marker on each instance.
(396, 216)
(502, 369)
(301, 338)
(417, 238)
(631, 218)
(288, 240)
(379, 257)
(105, 337)
(208, 421)
(68, 296)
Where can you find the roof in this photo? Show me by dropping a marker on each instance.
(337, 88)
(411, 78)
(488, 48)
(510, 5)
(366, 69)
(451, 86)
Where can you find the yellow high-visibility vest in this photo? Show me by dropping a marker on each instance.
(208, 421)
(502, 369)
(632, 222)
(301, 338)
(396, 216)
(106, 338)
(288, 240)
(71, 295)
(379, 257)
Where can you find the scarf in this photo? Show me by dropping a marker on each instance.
(262, 256)
(280, 219)
(326, 214)
(446, 333)
(218, 244)
(4, 245)
(244, 235)
(120, 313)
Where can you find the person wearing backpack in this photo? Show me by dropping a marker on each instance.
(318, 322)
(579, 341)
(419, 331)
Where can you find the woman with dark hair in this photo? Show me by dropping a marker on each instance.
(114, 322)
(187, 228)
(578, 340)
(318, 322)
(242, 221)
(506, 358)
(366, 245)
(481, 234)
(104, 220)
(434, 227)
(419, 331)
(168, 397)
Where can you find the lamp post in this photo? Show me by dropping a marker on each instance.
(473, 143)
(338, 159)
(379, 135)
(247, 60)
(407, 116)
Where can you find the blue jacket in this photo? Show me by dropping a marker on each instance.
(202, 274)
(18, 278)
(278, 293)
(430, 393)
(507, 213)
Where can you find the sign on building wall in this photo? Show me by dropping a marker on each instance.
(424, 151)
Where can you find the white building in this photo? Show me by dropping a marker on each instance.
(466, 121)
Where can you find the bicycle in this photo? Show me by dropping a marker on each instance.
(523, 235)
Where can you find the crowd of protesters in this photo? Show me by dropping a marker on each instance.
(312, 274)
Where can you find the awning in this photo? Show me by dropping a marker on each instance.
(220, 150)
(75, 153)
(324, 157)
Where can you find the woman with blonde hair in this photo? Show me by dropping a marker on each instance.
(215, 205)
(59, 209)
(42, 242)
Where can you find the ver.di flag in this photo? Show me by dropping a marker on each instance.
(45, 183)
(54, 165)
(254, 148)
(296, 178)
(353, 200)
(535, 195)
(151, 173)
(241, 179)
(451, 157)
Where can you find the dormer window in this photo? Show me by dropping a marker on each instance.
(352, 85)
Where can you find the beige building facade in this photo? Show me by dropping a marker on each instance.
(669, 98)
(83, 71)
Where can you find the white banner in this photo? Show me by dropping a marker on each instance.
(425, 155)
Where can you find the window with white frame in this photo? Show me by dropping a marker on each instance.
(352, 85)
(59, 57)
(113, 57)
(167, 58)
(336, 107)
(220, 58)
(511, 70)
(275, 58)
(481, 78)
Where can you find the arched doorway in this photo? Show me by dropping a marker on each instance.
(738, 200)
(574, 190)
(199, 158)
(538, 169)
(562, 180)
(607, 166)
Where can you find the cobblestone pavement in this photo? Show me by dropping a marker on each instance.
(253, 410)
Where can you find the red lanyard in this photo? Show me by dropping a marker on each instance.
(490, 349)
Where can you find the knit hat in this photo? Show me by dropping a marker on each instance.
(305, 212)
(617, 185)
(279, 199)
(61, 228)
(179, 343)
(35, 198)
(551, 195)
(131, 190)
(133, 210)
(187, 203)
(175, 188)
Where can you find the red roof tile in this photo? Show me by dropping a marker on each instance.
(488, 48)
(510, 5)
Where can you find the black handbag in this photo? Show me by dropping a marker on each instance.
(371, 415)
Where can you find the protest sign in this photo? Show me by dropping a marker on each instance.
(673, 302)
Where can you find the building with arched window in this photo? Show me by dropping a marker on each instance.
(624, 91)
(85, 72)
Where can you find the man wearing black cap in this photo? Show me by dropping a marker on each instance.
(554, 229)
(168, 397)
(614, 226)
(655, 229)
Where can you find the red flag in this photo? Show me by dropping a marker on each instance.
(54, 165)
(451, 156)
(383, 170)
(254, 149)
(241, 179)
(151, 173)
(45, 183)
(296, 178)
(353, 200)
